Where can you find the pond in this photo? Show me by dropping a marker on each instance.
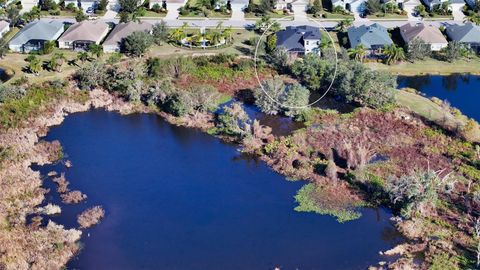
(176, 198)
(462, 91)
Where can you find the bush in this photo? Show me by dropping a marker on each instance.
(11, 92)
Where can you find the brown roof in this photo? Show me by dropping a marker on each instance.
(427, 33)
(86, 30)
(123, 30)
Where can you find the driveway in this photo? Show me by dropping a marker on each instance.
(457, 12)
(237, 12)
(300, 12)
(409, 7)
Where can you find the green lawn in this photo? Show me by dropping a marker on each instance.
(238, 47)
(426, 108)
(331, 16)
(275, 15)
(153, 14)
(63, 13)
(430, 66)
(387, 16)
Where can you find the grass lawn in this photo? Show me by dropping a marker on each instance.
(16, 62)
(434, 17)
(153, 14)
(426, 108)
(213, 14)
(10, 34)
(274, 15)
(331, 16)
(387, 16)
(63, 13)
(238, 47)
(430, 66)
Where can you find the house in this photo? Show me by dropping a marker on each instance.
(115, 38)
(171, 4)
(432, 3)
(350, 5)
(299, 39)
(373, 37)
(4, 28)
(33, 36)
(427, 33)
(88, 6)
(80, 35)
(468, 34)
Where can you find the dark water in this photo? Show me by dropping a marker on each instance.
(176, 198)
(461, 91)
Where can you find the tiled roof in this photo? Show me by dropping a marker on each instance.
(369, 36)
(467, 33)
(292, 37)
(38, 30)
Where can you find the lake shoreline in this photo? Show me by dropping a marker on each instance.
(102, 99)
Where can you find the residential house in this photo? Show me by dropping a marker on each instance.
(33, 36)
(468, 34)
(357, 6)
(299, 40)
(427, 33)
(88, 5)
(4, 28)
(80, 35)
(171, 4)
(115, 39)
(432, 3)
(373, 37)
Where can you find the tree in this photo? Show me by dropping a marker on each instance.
(393, 54)
(160, 33)
(13, 14)
(128, 6)
(453, 51)
(316, 7)
(82, 56)
(296, 101)
(90, 76)
(56, 62)
(137, 43)
(265, 24)
(418, 49)
(413, 193)
(178, 33)
(358, 53)
(80, 16)
(270, 96)
(312, 71)
(95, 49)
(358, 84)
(34, 64)
(102, 5)
(373, 6)
(266, 6)
(280, 59)
(344, 24)
(233, 121)
(271, 44)
(227, 34)
(48, 47)
(124, 17)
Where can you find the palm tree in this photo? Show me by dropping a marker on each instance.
(57, 61)
(179, 33)
(215, 38)
(358, 53)
(393, 54)
(344, 24)
(96, 50)
(82, 56)
(34, 65)
(227, 34)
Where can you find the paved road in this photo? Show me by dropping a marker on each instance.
(208, 23)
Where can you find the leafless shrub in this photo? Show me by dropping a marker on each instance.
(331, 170)
(73, 197)
(90, 217)
(62, 183)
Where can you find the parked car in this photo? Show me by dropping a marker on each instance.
(90, 10)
